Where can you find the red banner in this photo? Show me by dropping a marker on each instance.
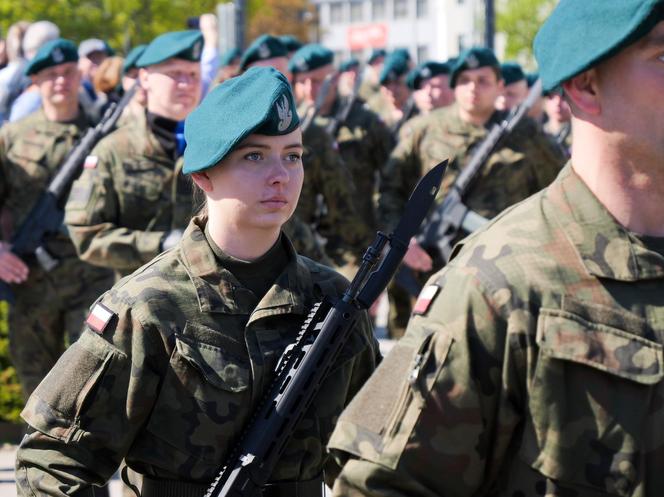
(367, 36)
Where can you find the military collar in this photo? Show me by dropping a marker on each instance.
(458, 126)
(79, 123)
(218, 291)
(605, 247)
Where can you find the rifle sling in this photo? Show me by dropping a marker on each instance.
(152, 487)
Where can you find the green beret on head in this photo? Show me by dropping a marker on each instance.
(309, 58)
(187, 45)
(402, 52)
(473, 58)
(260, 101)
(229, 56)
(349, 64)
(292, 43)
(131, 58)
(424, 71)
(512, 73)
(395, 66)
(531, 78)
(53, 53)
(580, 34)
(376, 54)
(264, 47)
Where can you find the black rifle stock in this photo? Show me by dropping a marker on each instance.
(47, 215)
(452, 216)
(305, 364)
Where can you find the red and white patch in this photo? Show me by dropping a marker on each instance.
(91, 162)
(425, 299)
(99, 318)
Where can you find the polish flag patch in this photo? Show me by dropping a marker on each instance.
(426, 297)
(91, 162)
(99, 318)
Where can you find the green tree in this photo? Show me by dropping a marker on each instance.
(123, 23)
(279, 17)
(519, 20)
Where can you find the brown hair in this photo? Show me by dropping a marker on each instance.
(108, 75)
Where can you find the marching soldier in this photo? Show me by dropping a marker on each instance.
(392, 103)
(515, 86)
(132, 202)
(430, 84)
(49, 305)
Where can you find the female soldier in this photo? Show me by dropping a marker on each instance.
(177, 355)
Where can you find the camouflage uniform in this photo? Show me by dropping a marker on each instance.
(378, 104)
(536, 370)
(325, 174)
(50, 306)
(173, 377)
(524, 164)
(364, 144)
(130, 194)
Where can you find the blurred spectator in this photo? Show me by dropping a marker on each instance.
(12, 79)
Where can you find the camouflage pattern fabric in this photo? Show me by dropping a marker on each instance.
(170, 380)
(49, 306)
(378, 104)
(536, 370)
(364, 144)
(326, 175)
(130, 194)
(524, 164)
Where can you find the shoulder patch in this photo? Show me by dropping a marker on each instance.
(99, 318)
(91, 162)
(425, 299)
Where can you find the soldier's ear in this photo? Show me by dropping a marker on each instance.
(203, 181)
(582, 94)
(143, 78)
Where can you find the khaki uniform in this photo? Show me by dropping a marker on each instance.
(50, 306)
(130, 194)
(327, 178)
(364, 144)
(536, 370)
(176, 373)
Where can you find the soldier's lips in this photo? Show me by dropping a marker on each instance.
(274, 202)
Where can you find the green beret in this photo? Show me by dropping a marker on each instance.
(264, 47)
(395, 66)
(229, 56)
(310, 57)
(292, 43)
(349, 64)
(424, 71)
(531, 78)
(187, 45)
(580, 34)
(53, 53)
(260, 101)
(512, 73)
(473, 58)
(132, 57)
(376, 54)
(402, 52)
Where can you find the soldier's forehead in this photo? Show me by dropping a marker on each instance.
(175, 63)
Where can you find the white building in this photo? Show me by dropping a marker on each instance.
(429, 29)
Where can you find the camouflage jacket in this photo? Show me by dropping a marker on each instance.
(31, 152)
(533, 366)
(130, 193)
(525, 163)
(174, 361)
(364, 144)
(327, 179)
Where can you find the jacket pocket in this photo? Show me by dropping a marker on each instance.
(593, 388)
(204, 399)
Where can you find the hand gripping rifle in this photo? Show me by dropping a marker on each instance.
(306, 363)
(452, 216)
(47, 214)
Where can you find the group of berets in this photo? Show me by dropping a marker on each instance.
(530, 359)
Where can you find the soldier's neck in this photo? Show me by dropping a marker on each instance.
(475, 118)
(625, 179)
(244, 244)
(60, 113)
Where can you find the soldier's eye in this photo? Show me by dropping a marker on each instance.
(293, 157)
(254, 156)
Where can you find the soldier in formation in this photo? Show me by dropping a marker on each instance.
(533, 362)
(174, 358)
(49, 306)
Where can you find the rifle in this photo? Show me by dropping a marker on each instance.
(452, 216)
(306, 363)
(408, 111)
(311, 114)
(47, 215)
(341, 117)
